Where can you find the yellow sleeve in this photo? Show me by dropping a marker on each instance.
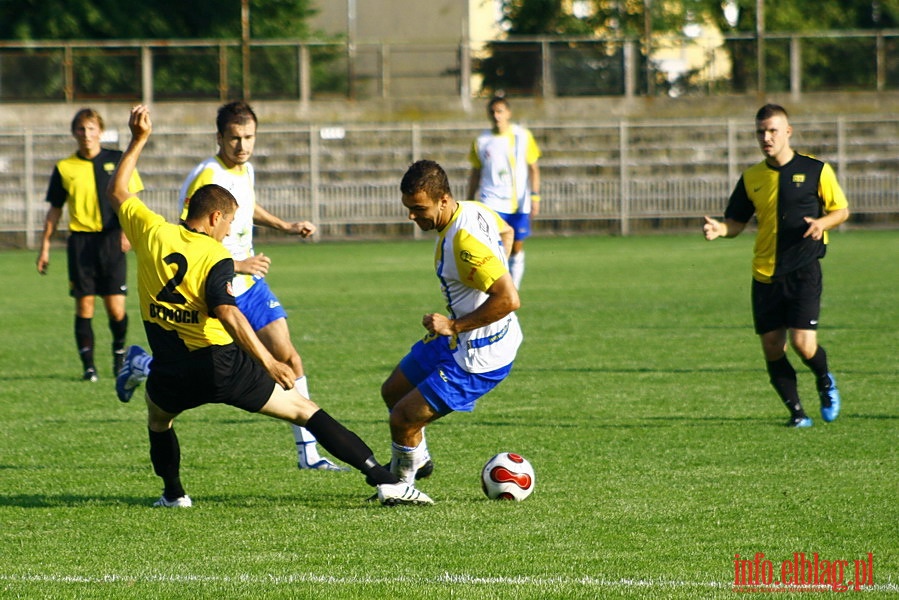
(477, 265)
(204, 177)
(473, 157)
(830, 191)
(533, 150)
(135, 185)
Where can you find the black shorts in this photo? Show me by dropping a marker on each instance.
(213, 375)
(97, 265)
(792, 301)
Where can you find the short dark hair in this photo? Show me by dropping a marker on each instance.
(426, 176)
(498, 100)
(208, 199)
(87, 113)
(234, 112)
(771, 110)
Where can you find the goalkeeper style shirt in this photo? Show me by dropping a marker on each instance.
(240, 181)
(468, 259)
(781, 198)
(503, 160)
(81, 183)
(182, 276)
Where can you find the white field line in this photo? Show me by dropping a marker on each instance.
(446, 578)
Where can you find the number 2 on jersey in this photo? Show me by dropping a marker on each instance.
(168, 293)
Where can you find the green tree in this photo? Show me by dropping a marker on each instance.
(177, 71)
(827, 63)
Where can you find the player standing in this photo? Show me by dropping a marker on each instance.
(796, 200)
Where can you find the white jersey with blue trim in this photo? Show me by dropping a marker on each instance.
(240, 181)
(503, 160)
(469, 258)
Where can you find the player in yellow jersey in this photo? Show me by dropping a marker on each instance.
(796, 200)
(204, 350)
(236, 125)
(96, 246)
(469, 351)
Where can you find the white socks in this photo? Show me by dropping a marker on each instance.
(516, 268)
(307, 448)
(405, 461)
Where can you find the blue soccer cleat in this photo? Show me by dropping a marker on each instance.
(830, 398)
(133, 372)
(800, 423)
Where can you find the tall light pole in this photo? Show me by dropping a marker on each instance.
(647, 35)
(760, 43)
(245, 46)
(351, 48)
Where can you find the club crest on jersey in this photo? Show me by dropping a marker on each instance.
(798, 179)
(467, 256)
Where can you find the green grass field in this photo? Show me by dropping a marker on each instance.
(640, 396)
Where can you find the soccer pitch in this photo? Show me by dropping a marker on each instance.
(639, 395)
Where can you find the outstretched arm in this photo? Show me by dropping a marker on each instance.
(267, 219)
(714, 229)
(141, 126)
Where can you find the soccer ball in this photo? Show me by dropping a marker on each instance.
(508, 476)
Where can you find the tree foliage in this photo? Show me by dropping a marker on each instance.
(178, 71)
(160, 19)
(516, 66)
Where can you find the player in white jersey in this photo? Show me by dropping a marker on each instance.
(231, 168)
(468, 352)
(505, 176)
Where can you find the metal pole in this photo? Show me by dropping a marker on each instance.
(624, 179)
(760, 47)
(795, 68)
(29, 189)
(351, 48)
(245, 46)
(647, 35)
(146, 74)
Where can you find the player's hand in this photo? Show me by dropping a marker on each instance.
(282, 374)
(815, 229)
(43, 263)
(303, 228)
(139, 123)
(438, 324)
(711, 228)
(125, 243)
(256, 265)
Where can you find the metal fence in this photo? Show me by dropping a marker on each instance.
(620, 177)
(149, 70)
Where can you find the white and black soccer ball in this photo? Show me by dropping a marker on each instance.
(508, 476)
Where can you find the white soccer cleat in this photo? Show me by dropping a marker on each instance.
(322, 464)
(393, 494)
(180, 502)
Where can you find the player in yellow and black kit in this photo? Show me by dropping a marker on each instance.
(796, 200)
(96, 245)
(204, 349)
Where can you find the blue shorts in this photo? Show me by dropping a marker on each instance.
(260, 305)
(520, 222)
(445, 385)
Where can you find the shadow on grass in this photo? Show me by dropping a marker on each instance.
(318, 500)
